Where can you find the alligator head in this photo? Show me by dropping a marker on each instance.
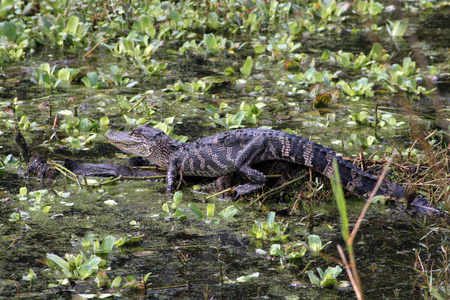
(147, 142)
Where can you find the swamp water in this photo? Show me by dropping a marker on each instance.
(194, 258)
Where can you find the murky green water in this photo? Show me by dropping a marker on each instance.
(385, 247)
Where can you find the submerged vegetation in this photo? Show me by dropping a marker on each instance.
(367, 78)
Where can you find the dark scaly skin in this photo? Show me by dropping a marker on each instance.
(236, 151)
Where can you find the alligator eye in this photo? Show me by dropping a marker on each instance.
(136, 131)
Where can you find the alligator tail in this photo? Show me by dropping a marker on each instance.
(353, 179)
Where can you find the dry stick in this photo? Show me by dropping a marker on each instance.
(98, 44)
(23, 147)
(358, 293)
(366, 206)
(86, 183)
(169, 287)
(231, 189)
(143, 177)
(219, 193)
(354, 270)
(111, 180)
(65, 172)
(150, 168)
(136, 104)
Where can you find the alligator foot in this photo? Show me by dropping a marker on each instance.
(247, 188)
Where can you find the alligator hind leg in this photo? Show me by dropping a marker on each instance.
(243, 166)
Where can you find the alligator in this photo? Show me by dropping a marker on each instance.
(237, 150)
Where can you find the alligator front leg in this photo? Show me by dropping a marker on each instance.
(172, 174)
(243, 163)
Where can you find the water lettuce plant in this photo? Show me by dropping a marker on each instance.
(14, 42)
(74, 267)
(269, 230)
(173, 210)
(327, 278)
(248, 113)
(315, 243)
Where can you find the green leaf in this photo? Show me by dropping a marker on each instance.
(64, 74)
(328, 281)
(31, 276)
(86, 82)
(104, 121)
(345, 60)
(62, 263)
(247, 68)
(218, 120)
(297, 255)
(197, 212)
(326, 55)
(397, 28)
(210, 209)
(115, 284)
(275, 250)
(270, 220)
(179, 213)
(315, 243)
(107, 245)
(146, 277)
(23, 191)
(237, 119)
(369, 140)
(379, 199)
(210, 42)
(261, 251)
(85, 270)
(45, 79)
(247, 277)
(313, 278)
(254, 109)
(83, 125)
(340, 200)
(229, 212)
(72, 24)
(122, 241)
(258, 48)
(228, 71)
(329, 276)
(377, 51)
(165, 208)
(318, 77)
(9, 30)
(93, 78)
(174, 16)
(210, 109)
(177, 197)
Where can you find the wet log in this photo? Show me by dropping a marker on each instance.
(107, 170)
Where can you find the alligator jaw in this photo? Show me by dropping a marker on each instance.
(146, 141)
(129, 143)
